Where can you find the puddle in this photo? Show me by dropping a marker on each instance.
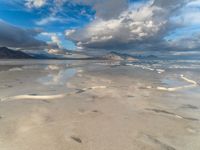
(59, 78)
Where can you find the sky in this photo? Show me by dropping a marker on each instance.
(97, 25)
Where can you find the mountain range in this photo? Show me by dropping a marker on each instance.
(6, 53)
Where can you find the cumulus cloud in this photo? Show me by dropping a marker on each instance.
(131, 27)
(142, 27)
(124, 24)
(12, 36)
(55, 44)
(35, 3)
(55, 39)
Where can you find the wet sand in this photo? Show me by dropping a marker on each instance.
(93, 105)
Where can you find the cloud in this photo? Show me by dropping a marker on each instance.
(50, 19)
(105, 9)
(123, 24)
(55, 44)
(35, 3)
(142, 27)
(12, 36)
(170, 4)
(187, 42)
(190, 13)
(55, 39)
(131, 27)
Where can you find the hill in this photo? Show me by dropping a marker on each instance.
(6, 53)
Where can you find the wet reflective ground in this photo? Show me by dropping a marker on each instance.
(87, 105)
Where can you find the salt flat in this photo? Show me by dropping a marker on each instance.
(98, 105)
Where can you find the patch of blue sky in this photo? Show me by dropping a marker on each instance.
(72, 15)
(135, 4)
(64, 42)
(187, 31)
(137, 1)
(68, 44)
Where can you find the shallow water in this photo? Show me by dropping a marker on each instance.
(52, 104)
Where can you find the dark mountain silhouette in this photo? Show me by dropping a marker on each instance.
(6, 53)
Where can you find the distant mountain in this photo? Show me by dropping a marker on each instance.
(42, 56)
(118, 57)
(6, 53)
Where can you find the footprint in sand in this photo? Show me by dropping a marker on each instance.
(76, 139)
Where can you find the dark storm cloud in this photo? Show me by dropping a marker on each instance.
(142, 27)
(12, 36)
(132, 28)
